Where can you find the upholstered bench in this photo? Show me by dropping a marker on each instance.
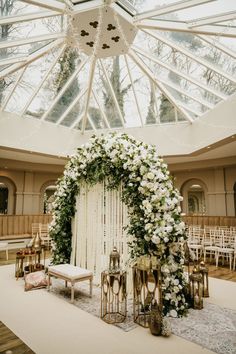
(72, 274)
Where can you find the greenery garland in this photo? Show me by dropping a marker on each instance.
(153, 206)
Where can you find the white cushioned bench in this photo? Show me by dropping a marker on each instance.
(71, 273)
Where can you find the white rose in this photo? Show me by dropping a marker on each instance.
(155, 239)
(173, 313)
(176, 282)
(150, 175)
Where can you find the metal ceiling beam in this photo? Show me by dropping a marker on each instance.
(48, 4)
(101, 109)
(13, 60)
(20, 42)
(161, 87)
(190, 55)
(77, 121)
(112, 92)
(87, 6)
(177, 6)
(208, 20)
(64, 88)
(133, 89)
(218, 45)
(90, 83)
(34, 93)
(11, 92)
(181, 74)
(32, 57)
(71, 106)
(7, 20)
(180, 26)
(91, 123)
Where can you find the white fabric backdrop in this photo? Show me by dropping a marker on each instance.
(98, 225)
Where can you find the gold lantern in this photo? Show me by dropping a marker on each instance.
(113, 296)
(204, 272)
(146, 290)
(196, 289)
(114, 265)
(19, 266)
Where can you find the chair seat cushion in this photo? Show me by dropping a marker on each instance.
(70, 271)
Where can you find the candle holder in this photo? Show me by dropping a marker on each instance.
(205, 283)
(196, 289)
(146, 290)
(113, 296)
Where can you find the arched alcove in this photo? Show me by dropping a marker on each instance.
(194, 192)
(47, 196)
(7, 196)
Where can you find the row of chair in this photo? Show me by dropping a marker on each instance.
(214, 242)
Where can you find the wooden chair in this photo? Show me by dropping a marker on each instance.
(195, 243)
(227, 249)
(44, 235)
(212, 244)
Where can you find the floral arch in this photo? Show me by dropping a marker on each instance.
(153, 206)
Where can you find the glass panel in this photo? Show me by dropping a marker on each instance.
(147, 5)
(12, 7)
(77, 85)
(55, 81)
(95, 114)
(6, 86)
(213, 8)
(147, 95)
(104, 93)
(22, 50)
(75, 113)
(30, 79)
(31, 28)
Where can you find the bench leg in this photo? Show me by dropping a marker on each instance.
(7, 254)
(66, 283)
(91, 286)
(72, 293)
(48, 282)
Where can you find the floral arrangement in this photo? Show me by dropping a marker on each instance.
(155, 224)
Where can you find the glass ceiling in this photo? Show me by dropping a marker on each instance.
(103, 64)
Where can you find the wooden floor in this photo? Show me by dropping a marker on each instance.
(10, 343)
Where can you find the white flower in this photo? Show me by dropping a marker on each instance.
(173, 313)
(150, 175)
(156, 239)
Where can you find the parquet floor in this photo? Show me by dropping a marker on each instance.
(10, 343)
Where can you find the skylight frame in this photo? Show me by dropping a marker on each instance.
(202, 27)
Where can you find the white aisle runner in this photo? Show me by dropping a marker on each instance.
(98, 226)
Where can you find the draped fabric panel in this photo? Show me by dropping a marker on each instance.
(97, 227)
